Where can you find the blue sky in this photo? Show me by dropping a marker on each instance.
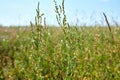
(21, 12)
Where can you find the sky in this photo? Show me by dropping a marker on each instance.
(21, 12)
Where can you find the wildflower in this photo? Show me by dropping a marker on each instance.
(84, 78)
(49, 34)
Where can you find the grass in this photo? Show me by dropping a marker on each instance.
(87, 53)
(59, 53)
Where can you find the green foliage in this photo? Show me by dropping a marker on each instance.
(60, 14)
(60, 53)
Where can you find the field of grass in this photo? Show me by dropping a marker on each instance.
(82, 53)
(59, 53)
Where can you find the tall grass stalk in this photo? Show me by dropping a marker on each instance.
(109, 27)
(61, 16)
(37, 28)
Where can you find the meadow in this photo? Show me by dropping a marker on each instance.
(41, 52)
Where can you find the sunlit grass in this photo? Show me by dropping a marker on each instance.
(59, 53)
